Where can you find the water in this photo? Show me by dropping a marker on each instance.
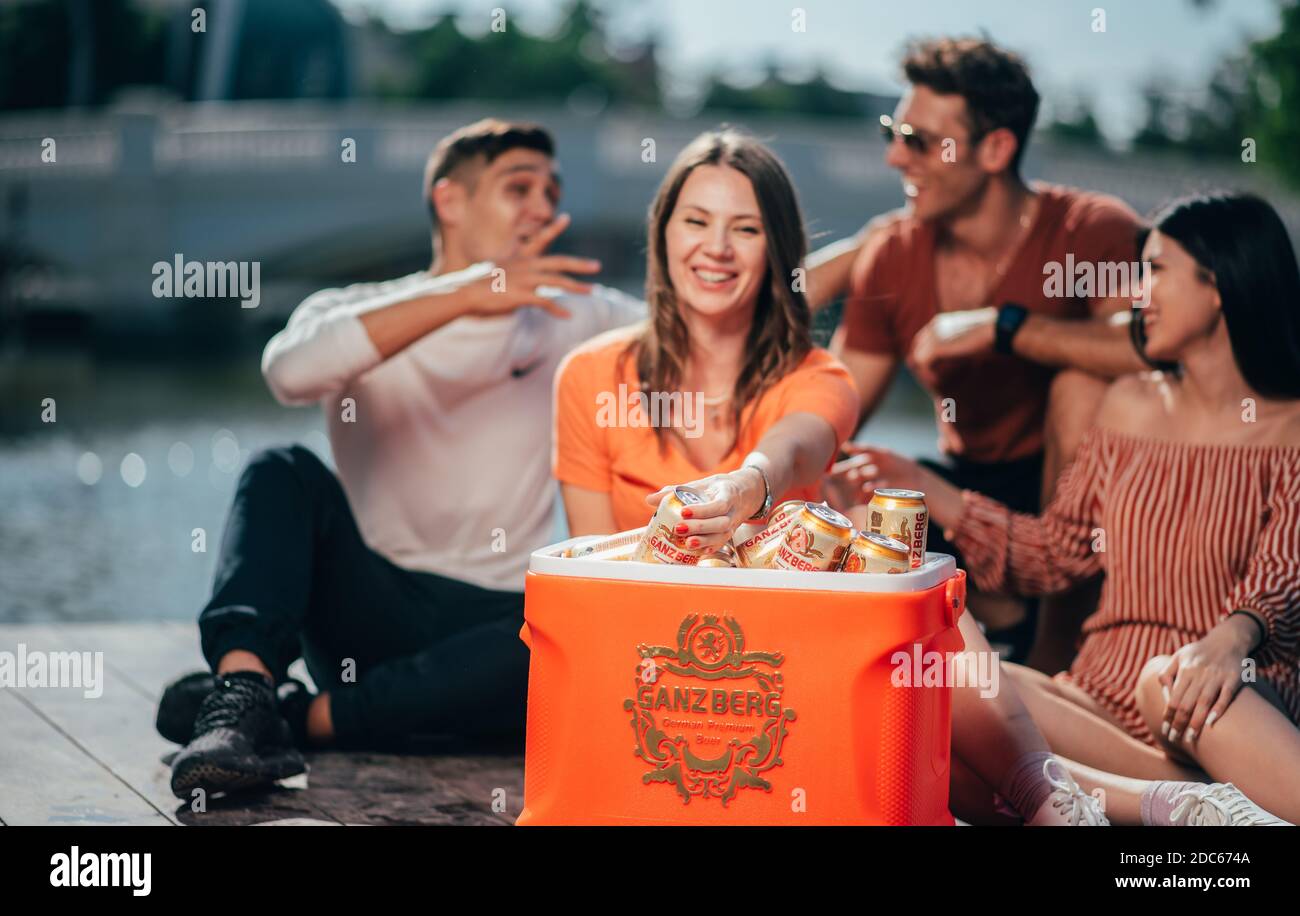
(77, 546)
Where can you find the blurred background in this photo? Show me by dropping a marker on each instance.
(213, 130)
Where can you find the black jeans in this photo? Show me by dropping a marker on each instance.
(1019, 485)
(401, 652)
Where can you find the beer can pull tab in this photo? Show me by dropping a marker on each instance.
(955, 596)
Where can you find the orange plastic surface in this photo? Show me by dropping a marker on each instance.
(656, 703)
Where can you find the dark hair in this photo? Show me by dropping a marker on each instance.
(994, 83)
(1239, 239)
(781, 334)
(486, 139)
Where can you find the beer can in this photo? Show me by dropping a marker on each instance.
(815, 540)
(661, 543)
(870, 552)
(598, 543)
(724, 556)
(757, 550)
(902, 515)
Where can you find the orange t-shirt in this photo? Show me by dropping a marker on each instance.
(596, 448)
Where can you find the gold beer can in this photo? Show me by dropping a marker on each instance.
(661, 543)
(870, 552)
(902, 515)
(815, 541)
(724, 557)
(756, 551)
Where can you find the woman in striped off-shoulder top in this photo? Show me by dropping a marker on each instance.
(1187, 495)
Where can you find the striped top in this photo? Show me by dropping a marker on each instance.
(1185, 532)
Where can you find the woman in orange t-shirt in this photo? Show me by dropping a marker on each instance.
(722, 387)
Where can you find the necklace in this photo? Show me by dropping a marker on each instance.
(1026, 220)
(714, 406)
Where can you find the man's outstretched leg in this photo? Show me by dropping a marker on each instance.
(291, 550)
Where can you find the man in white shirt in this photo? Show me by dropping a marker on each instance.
(400, 580)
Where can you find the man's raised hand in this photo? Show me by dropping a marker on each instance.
(514, 282)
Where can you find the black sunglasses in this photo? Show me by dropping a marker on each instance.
(917, 141)
(914, 140)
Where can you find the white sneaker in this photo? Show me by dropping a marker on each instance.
(1068, 805)
(1219, 804)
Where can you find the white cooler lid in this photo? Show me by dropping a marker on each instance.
(937, 568)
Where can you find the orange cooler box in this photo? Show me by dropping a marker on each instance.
(677, 695)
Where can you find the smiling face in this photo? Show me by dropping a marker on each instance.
(935, 188)
(1185, 305)
(490, 210)
(715, 243)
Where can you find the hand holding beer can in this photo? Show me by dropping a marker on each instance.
(661, 543)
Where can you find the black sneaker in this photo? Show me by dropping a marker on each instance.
(240, 740)
(179, 707)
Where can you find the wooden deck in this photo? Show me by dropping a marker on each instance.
(69, 759)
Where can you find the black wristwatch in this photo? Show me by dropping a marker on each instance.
(1011, 316)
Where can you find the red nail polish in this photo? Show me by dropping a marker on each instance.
(695, 542)
(686, 513)
(682, 529)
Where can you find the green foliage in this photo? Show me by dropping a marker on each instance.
(43, 46)
(814, 97)
(1275, 115)
(1076, 123)
(514, 65)
(1254, 95)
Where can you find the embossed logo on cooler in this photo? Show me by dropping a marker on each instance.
(708, 714)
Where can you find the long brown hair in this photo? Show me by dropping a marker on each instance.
(780, 335)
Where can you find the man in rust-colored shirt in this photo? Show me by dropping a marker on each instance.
(1004, 298)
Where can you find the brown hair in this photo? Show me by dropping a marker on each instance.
(780, 335)
(486, 139)
(994, 83)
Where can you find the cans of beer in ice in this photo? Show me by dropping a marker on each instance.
(724, 556)
(757, 550)
(870, 552)
(900, 514)
(661, 543)
(815, 540)
(602, 543)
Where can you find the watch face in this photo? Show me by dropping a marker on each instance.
(1010, 317)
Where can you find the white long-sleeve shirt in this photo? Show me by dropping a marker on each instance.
(444, 449)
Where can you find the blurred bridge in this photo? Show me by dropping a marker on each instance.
(266, 182)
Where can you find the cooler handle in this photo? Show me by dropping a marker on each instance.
(955, 597)
(526, 635)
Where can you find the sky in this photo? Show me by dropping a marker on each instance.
(857, 41)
